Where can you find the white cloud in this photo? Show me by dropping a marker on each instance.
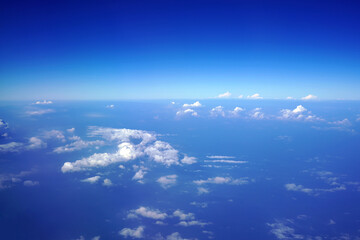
(11, 147)
(35, 143)
(110, 106)
(290, 98)
(167, 181)
(192, 223)
(222, 180)
(217, 111)
(202, 190)
(43, 102)
(133, 233)
(91, 179)
(29, 183)
(257, 114)
(297, 188)
(40, 112)
(147, 213)
(107, 182)
(78, 145)
(225, 161)
(188, 160)
(309, 97)
(299, 113)
(175, 236)
(255, 96)
(7, 180)
(220, 157)
(162, 152)
(70, 130)
(139, 175)
(224, 95)
(236, 111)
(3, 124)
(283, 231)
(195, 104)
(344, 122)
(54, 134)
(187, 112)
(183, 216)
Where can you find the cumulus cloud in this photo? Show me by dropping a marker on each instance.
(29, 183)
(299, 113)
(297, 188)
(183, 216)
(192, 223)
(139, 175)
(309, 97)
(91, 179)
(70, 130)
(187, 112)
(173, 236)
(54, 134)
(255, 96)
(39, 112)
(11, 147)
(224, 95)
(107, 182)
(167, 181)
(44, 102)
(257, 114)
(222, 180)
(217, 111)
(195, 104)
(187, 219)
(162, 152)
(283, 231)
(35, 143)
(202, 190)
(78, 145)
(188, 160)
(344, 122)
(110, 106)
(147, 213)
(236, 111)
(133, 233)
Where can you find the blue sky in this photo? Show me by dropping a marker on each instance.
(179, 49)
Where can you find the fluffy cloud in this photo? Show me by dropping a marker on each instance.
(91, 179)
(173, 236)
(224, 95)
(35, 143)
(29, 183)
(11, 147)
(192, 223)
(110, 106)
(283, 231)
(187, 112)
(195, 104)
(133, 233)
(147, 213)
(183, 216)
(309, 97)
(39, 112)
(236, 111)
(70, 130)
(297, 188)
(217, 111)
(167, 181)
(139, 175)
(44, 102)
(8, 180)
(78, 145)
(299, 113)
(107, 182)
(344, 122)
(54, 134)
(255, 96)
(162, 152)
(257, 114)
(202, 190)
(222, 180)
(188, 160)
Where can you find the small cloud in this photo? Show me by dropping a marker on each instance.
(107, 182)
(299, 113)
(172, 103)
(202, 190)
(219, 157)
(167, 181)
(297, 188)
(11, 147)
(133, 233)
(217, 111)
(35, 143)
(222, 180)
(44, 102)
(188, 160)
(241, 96)
(29, 183)
(224, 95)
(147, 213)
(54, 134)
(255, 96)
(290, 98)
(139, 175)
(91, 179)
(236, 111)
(309, 97)
(187, 112)
(40, 112)
(257, 114)
(70, 130)
(344, 122)
(110, 106)
(195, 104)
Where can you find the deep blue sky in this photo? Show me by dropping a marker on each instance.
(179, 49)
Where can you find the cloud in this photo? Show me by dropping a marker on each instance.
(133, 233)
(224, 95)
(8, 180)
(297, 188)
(183, 216)
(110, 106)
(11, 147)
(44, 102)
(147, 213)
(217, 111)
(139, 175)
(241, 96)
(202, 190)
(35, 143)
(70, 130)
(290, 98)
(187, 219)
(29, 183)
(225, 161)
(283, 231)
(192, 223)
(107, 182)
(236, 111)
(309, 97)
(187, 112)
(3, 124)
(162, 152)
(195, 104)
(344, 122)
(167, 181)
(40, 112)
(91, 179)
(222, 180)
(188, 160)
(257, 114)
(78, 145)
(174, 236)
(255, 96)
(299, 113)
(220, 157)
(54, 134)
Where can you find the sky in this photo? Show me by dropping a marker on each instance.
(92, 50)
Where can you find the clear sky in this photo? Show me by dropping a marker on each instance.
(179, 49)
